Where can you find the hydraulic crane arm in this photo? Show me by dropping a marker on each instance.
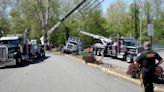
(104, 40)
(65, 17)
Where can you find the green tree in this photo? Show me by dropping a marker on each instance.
(134, 12)
(4, 21)
(117, 17)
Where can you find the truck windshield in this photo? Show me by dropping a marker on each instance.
(128, 43)
(9, 42)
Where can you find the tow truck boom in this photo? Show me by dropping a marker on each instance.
(103, 39)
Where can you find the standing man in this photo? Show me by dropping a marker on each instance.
(147, 61)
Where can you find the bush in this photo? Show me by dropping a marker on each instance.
(89, 59)
(84, 55)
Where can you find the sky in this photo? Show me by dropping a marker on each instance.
(106, 4)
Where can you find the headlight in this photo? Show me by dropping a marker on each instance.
(11, 55)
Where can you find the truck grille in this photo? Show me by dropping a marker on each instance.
(69, 46)
(3, 53)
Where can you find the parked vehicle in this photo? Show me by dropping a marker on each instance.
(12, 48)
(98, 48)
(36, 49)
(127, 51)
(125, 48)
(18, 49)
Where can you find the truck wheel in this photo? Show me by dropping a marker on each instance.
(98, 53)
(105, 54)
(124, 58)
(114, 57)
(129, 58)
(102, 52)
(95, 51)
(43, 54)
(18, 61)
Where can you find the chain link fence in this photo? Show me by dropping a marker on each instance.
(158, 45)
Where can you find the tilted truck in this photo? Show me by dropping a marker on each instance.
(72, 45)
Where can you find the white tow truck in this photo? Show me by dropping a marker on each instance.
(98, 48)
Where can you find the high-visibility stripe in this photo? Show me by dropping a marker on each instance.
(142, 84)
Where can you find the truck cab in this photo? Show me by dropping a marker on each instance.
(73, 45)
(12, 49)
(126, 50)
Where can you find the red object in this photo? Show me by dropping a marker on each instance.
(134, 70)
(132, 67)
(159, 71)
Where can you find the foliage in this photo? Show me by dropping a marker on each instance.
(90, 59)
(126, 21)
(94, 23)
(121, 19)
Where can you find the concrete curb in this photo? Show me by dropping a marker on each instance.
(107, 70)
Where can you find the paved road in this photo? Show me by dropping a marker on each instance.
(123, 64)
(61, 74)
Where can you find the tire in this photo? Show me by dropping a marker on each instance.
(114, 54)
(18, 61)
(105, 54)
(124, 58)
(129, 58)
(98, 53)
(43, 54)
(102, 53)
(95, 51)
(114, 57)
(38, 55)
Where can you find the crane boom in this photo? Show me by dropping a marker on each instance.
(42, 39)
(65, 17)
(103, 39)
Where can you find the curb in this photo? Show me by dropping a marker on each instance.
(107, 70)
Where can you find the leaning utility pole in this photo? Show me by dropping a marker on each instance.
(65, 17)
(82, 7)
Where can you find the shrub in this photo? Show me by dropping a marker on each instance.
(90, 59)
(84, 55)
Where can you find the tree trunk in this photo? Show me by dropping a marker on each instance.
(46, 42)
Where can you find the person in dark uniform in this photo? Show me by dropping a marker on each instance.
(147, 62)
